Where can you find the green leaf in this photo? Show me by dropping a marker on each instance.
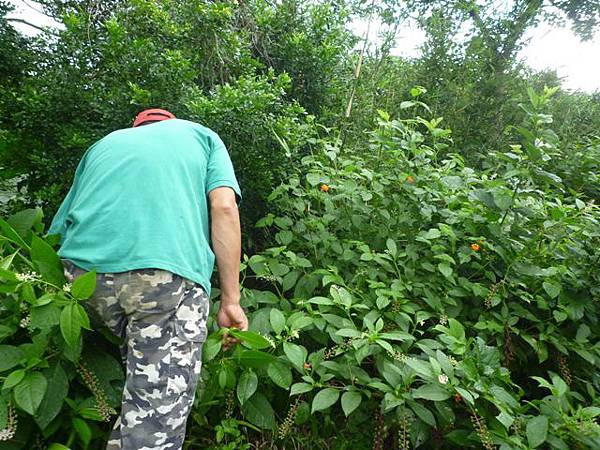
(324, 399)
(9, 357)
(58, 387)
(84, 286)
(424, 414)
(313, 178)
(10, 233)
(445, 269)
(280, 373)
(45, 317)
(83, 430)
(246, 386)
(47, 262)
(254, 358)
(551, 288)
(23, 221)
(277, 320)
(537, 431)
(55, 446)
(254, 340)
(70, 324)
(295, 353)
(13, 379)
(211, 347)
(30, 392)
(341, 295)
(350, 401)
(84, 320)
(300, 388)
(258, 410)
(433, 392)
(391, 246)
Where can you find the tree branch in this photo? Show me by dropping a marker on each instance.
(14, 19)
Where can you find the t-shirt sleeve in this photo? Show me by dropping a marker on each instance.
(220, 169)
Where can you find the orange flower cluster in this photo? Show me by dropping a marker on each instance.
(475, 247)
(410, 179)
(324, 188)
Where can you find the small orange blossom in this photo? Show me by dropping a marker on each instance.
(324, 188)
(475, 247)
(410, 179)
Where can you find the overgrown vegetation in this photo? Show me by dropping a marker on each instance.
(421, 236)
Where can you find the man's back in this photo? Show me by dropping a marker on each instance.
(139, 199)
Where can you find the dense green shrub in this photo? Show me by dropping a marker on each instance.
(455, 307)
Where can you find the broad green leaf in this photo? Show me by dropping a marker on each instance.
(13, 379)
(397, 336)
(295, 353)
(45, 317)
(258, 410)
(551, 288)
(246, 386)
(23, 221)
(56, 446)
(83, 430)
(30, 392)
(324, 399)
(254, 358)
(537, 431)
(350, 401)
(47, 262)
(70, 324)
(9, 357)
(84, 320)
(433, 392)
(211, 347)
(341, 295)
(300, 388)
(445, 269)
(84, 286)
(313, 178)
(280, 373)
(423, 413)
(58, 387)
(277, 320)
(391, 246)
(254, 340)
(10, 233)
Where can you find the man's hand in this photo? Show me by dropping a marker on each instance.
(231, 316)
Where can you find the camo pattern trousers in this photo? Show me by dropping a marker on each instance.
(161, 319)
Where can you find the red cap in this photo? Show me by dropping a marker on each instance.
(152, 114)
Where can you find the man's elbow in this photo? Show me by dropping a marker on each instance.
(224, 209)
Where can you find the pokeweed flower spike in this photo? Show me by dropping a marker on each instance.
(8, 433)
(288, 422)
(92, 383)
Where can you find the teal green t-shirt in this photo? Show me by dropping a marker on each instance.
(139, 199)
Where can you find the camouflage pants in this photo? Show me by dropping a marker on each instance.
(161, 318)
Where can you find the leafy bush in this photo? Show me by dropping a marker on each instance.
(54, 388)
(413, 300)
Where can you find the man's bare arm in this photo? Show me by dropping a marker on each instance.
(226, 243)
